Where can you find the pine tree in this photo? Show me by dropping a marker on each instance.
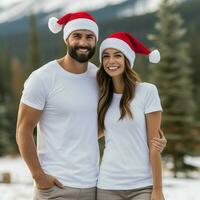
(34, 55)
(5, 73)
(4, 142)
(5, 102)
(17, 79)
(172, 76)
(194, 50)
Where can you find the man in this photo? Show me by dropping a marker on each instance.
(61, 98)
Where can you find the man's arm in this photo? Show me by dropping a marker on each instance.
(153, 126)
(100, 135)
(159, 143)
(28, 118)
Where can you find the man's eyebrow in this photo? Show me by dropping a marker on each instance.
(90, 34)
(76, 34)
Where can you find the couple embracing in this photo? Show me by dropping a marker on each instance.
(73, 104)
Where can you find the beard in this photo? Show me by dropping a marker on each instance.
(81, 57)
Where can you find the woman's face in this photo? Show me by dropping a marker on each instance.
(113, 62)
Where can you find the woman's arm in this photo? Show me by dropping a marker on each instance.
(153, 121)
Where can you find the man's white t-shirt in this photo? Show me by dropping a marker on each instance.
(126, 164)
(67, 140)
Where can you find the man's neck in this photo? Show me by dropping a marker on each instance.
(71, 65)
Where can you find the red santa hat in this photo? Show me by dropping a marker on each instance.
(129, 46)
(73, 22)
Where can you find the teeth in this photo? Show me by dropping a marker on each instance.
(83, 50)
(112, 68)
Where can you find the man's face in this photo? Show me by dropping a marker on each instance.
(81, 45)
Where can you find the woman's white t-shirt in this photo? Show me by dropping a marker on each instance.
(126, 164)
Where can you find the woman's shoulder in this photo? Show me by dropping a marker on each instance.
(147, 93)
(144, 86)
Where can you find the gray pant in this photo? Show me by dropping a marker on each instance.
(135, 194)
(67, 193)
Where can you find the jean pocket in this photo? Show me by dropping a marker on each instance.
(46, 190)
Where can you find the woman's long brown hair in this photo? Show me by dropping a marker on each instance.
(106, 90)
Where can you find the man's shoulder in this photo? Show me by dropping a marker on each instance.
(92, 68)
(45, 69)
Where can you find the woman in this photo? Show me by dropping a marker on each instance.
(129, 114)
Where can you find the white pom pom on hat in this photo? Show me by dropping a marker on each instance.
(154, 56)
(129, 46)
(54, 26)
(72, 22)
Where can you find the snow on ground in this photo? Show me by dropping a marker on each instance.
(22, 184)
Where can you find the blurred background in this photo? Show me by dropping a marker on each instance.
(172, 26)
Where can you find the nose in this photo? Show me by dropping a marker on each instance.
(111, 60)
(83, 42)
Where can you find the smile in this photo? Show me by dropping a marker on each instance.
(113, 68)
(83, 50)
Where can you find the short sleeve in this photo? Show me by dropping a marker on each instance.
(34, 93)
(152, 100)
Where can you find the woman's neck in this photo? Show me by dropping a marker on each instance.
(118, 84)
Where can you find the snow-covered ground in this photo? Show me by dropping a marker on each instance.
(22, 185)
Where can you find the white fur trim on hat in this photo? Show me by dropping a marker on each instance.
(53, 25)
(154, 56)
(120, 45)
(80, 24)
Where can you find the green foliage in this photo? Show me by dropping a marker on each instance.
(34, 54)
(7, 114)
(194, 50)
(173, 78)
(11, 79)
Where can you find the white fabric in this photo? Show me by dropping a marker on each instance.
(120, 45)
(67, 140)
(126, 164)
(80, 24)
(54, 26)
(154, 56)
